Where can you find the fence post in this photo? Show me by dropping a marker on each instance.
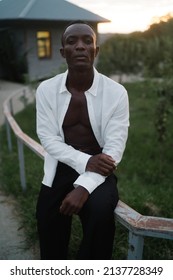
(8, 131)
(24, 98)
(136, 244)
(11, 107)
(21, 164)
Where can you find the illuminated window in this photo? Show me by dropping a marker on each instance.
(43, 44)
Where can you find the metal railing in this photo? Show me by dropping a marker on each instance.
(22, 138)
(138, 225)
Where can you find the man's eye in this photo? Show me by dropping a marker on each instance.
(71, 42)
(88, 41)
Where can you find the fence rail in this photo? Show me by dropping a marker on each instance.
(138, 225)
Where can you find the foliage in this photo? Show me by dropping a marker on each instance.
(145, 173)
(163, 109)
(145, 52)
(121, 54)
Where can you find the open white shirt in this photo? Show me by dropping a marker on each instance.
(108, 109)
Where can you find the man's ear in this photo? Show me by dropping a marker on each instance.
(62, 52)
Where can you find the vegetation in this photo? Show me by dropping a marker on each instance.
(145, 174)
(146, 52)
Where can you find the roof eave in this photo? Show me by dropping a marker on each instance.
(52, 20)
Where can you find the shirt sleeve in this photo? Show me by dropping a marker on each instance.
(89, 180)
(116, 130)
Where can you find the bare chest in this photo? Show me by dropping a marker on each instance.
(77, 128)
(77, 111)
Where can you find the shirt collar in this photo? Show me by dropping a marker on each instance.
(63, 87)
(93, 89)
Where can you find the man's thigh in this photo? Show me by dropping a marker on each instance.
(103, 200)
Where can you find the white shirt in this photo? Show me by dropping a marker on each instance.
(108, 110)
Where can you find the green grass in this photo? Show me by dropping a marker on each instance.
(145, 174)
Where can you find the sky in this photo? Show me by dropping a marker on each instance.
(126, 15)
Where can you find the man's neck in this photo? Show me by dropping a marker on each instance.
(80, 80)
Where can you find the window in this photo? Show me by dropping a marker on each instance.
(43, 44)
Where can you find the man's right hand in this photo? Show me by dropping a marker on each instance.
(102, 164)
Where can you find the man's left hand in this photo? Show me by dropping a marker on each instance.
(74, 201)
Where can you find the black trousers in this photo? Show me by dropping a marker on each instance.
(97, 218)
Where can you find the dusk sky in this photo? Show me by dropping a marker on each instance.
(126, 15)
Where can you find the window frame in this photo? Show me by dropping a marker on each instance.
(44, 42)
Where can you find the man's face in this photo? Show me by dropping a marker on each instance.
(79, 46)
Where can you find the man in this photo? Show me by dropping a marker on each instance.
(82, 123)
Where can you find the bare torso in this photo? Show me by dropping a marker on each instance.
(77, 128)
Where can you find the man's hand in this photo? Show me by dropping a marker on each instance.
(102, 164)
(74, 201)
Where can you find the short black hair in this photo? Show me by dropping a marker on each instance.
(75, 22)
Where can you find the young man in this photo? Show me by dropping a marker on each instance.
(82, 123)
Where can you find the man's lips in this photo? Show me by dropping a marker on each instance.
(81, 56)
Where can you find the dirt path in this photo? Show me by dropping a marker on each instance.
(12, 237)
(6, 89)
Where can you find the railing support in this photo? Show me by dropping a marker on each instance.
(8, 131)
(11, 106)
(21, 164)
(136, 244)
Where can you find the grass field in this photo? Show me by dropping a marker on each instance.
(145, 173)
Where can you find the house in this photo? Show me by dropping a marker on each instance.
(30, 36)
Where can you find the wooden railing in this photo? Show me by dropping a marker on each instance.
(138, 225)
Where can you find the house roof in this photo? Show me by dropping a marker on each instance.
(53, 10)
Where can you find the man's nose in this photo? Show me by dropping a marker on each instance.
(80, 45)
